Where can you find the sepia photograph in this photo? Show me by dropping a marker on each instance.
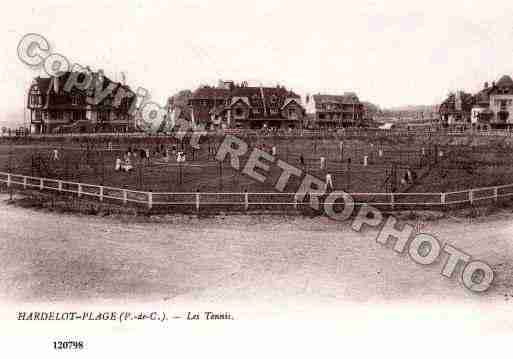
(192, 178)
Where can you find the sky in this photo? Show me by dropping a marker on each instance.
(391, 53)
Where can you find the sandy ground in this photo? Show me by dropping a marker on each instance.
(262, 266)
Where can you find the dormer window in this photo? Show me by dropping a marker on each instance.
(274, 99)
(75, 99)
(35, 97)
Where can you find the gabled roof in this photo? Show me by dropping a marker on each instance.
(236, 99)
(43, 83)
(289, 100)
(98, 80)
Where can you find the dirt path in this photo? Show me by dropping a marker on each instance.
(269, 262)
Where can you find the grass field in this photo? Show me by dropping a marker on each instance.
(462, 166)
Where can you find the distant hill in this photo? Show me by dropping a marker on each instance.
(413, 108)
(411, 113)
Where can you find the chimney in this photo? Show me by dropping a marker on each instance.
(458, 103)
(123, 79)
(486, 85)
(493, 84)
(56, 84)
(100, 76)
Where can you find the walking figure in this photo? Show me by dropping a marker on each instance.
(55, 155)
(329, 182)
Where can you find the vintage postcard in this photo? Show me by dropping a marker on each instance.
(261, 179)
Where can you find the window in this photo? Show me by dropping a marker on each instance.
(103, 116)
(35, 97)
(75, 99)
(38, 116)
(274, 99)
(239, 112)
(77, 116)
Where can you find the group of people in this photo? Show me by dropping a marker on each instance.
(125, 164)
(409, 177)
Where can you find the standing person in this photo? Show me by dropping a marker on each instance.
(323, 162)
(302, 160)
(56, 155)
(404, 179)
(409, 176)
(273, 151)
(147, 152)
(118, 164)
(329, 182)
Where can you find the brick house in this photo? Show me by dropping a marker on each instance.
(56, 105)
(243, 106)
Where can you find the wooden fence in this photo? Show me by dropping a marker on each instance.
(243, 201)
(348, 132)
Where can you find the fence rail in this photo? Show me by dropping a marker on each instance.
(358, 132)
(250, 200)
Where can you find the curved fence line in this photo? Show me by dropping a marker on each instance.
(245, 200)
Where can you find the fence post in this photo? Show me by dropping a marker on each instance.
(246, 200)
(150, 199)
(41, 184)
(392, 200)
(124, 196)
(8, 180)
(24, 182)
(471, 196)
(295, 200)
(79, 190)
(495, 194)
(197, 200)
(442, 198)
(59, 184)
(101, 193)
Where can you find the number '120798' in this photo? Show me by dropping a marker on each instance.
(68, 345)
